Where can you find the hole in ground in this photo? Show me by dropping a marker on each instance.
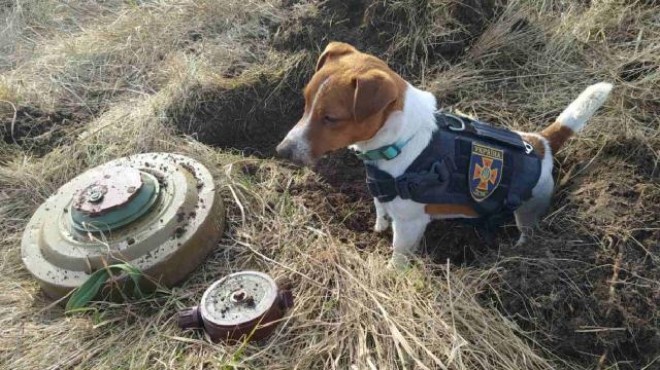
(249, 118)
(250, 112)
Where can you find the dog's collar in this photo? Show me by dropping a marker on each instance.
(387, 152)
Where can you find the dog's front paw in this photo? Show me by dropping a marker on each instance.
(399, 262)
(382, 224)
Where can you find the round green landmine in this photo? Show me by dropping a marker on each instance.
(158, 212)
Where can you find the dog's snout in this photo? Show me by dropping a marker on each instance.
(295, 147)
(293, 151)
(285, 149)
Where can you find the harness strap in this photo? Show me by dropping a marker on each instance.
(385, 187)
(461, 123)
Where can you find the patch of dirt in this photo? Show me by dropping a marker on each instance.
(373, 26)
(588, 284)
(311, 25)
(340, 197)
(39, 131)
(636, 153)
(452, 33)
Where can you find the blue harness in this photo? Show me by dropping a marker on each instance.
(467, 162)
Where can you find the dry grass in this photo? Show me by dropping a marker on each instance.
(83, 82)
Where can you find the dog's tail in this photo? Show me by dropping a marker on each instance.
(574, 117)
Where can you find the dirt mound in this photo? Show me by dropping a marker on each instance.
(410, 34)
(39, 131)
(588, 283)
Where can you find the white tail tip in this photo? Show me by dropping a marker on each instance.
(586, 104)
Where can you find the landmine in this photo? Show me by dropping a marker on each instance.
(246, 305)
(159, 212)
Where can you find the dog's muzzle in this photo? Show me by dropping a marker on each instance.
(294, 152)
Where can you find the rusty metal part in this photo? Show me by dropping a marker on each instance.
(242, 306)
(190, 318)
(105, 207)
(109, 188)
(183, 222)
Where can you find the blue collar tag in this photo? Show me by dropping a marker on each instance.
(386, 152)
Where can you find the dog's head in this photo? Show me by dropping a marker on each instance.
(347, 101)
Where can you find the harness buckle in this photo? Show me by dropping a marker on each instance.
(528, 147)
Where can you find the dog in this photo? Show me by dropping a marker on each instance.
(355, 100)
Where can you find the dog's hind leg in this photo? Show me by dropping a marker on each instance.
(528, 214)
(527, 217)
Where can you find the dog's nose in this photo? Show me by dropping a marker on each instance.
(285, 149)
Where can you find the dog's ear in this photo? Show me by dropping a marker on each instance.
(334, 50)
(375, 90)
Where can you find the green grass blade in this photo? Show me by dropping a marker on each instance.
(88, 290)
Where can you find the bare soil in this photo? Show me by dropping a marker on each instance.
(39, 131)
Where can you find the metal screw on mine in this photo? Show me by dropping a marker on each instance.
(95, 194)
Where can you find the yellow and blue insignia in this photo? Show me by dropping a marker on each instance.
(485, 171)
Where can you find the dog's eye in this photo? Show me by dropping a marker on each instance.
(330, 120)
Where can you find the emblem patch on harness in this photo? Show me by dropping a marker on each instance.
(485, 171)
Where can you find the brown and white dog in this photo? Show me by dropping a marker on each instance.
(355, 100)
